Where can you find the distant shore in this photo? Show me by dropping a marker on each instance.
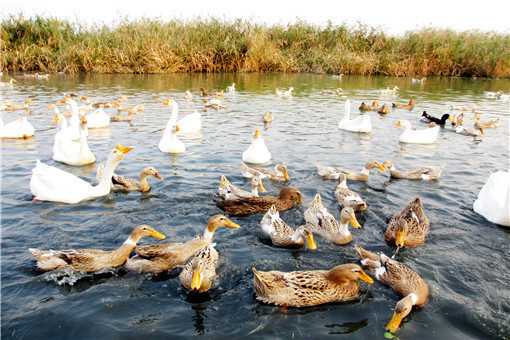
(50, 45)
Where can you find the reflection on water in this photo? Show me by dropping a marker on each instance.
(465, 259)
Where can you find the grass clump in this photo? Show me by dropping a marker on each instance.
(212, 45)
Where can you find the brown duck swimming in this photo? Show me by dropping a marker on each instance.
(410, 227)
(409, 106)
(121, 183)
(287, 199)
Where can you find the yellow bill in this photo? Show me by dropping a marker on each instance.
(123, 149)
(196, 280)
(366, 278)
(394, 323)
(157, 235)
(354, 222)
(310, 242)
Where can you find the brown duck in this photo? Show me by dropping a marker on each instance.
(287, 199)
(409, 106)
(410, 227)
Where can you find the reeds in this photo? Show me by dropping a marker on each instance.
(211, 45)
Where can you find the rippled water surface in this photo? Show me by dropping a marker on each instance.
(465, 260)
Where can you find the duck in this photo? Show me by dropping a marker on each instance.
(69, 151)
(98, 119)
(199, 272)
(490, 124)
(121, 183)
(231, 88)
(426, 118)
(383, 110)
(333, 173)
(409, 106)
(348, 198)
(391, 91)
(472, 132)
(408, 228)
(9, 83)
(267, 118)
(214, 104)
(188, 95)
(188, 125)
(257, 152)
(288, 198)
(49, 183)
(493, 201)
(282, 235)
(93, 260)
(359, 124)
(412, 136)
(18, 128)
(122, 118)
(203, 92)
(73, 129)
(279, 174)
(418, 81)
(9, 106)
(228, 191)
(323, 223)
(399, 277)
(364, 107)
(309, 288)
(374, 106)
(285, 93)
(164, 257)
(425, 173)
(169, 142)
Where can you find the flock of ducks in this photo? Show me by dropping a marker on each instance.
(198, 257)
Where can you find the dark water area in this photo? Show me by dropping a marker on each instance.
(465, 259)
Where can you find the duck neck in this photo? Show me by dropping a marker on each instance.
(175, 111)
(347, 110)
(344, 228)
(144, 182)
(104, 186)
(209, 233)
(121, 254)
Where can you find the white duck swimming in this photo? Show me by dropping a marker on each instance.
(189, 124)
(169, 142)
(361, 123)
(98, 118)
(257, 152)
(285, 93)
(493, 201)
(69, 151)
(422, 136)
(52, 184)
(231, 88)
(19, 128)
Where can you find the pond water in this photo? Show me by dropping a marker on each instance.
(465, 259)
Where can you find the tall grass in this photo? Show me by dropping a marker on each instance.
(211, 45)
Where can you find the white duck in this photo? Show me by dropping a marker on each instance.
(169, 142)
(257, 152)
(358, 124)
(19, 128)
(231, 88)
(98, 118)
(52, 184)
(69, 151)
(73, 126)
(283, 93)
(412, 136)
(190, 124)
(493, 201)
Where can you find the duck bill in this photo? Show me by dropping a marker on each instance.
(177, 128)
(124, 149)
(286, 175)
(400, 238)
(157, 235)
(310, 242)
(158, 176)
(257, 133)
(231, 225)
(366, 278)
(381, 167)
(56, 119)
(196, 280)
(394, 323)
(261, 186)
(354, 222)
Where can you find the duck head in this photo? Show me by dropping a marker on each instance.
(256, 182)
(347, 273)
(347, 216)
(220, 221)
(151, 171)
(307, 237)
(145, 230)
(401, 233)
(282, 168)
(291, 194)
(120, 151)
(402, 309)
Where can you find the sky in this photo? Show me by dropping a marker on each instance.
(394, 16)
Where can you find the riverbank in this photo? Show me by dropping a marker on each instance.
(152, 46)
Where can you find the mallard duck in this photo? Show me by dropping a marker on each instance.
(490, 124)
(493, 201)
(52, 184)
(121, 183)
(287, 199)
(9, 83)
(228, 191)
(257, 152)
(93, 260)
(69, 151)
(285, 93)
(426, 173)
(348, 198)
(399, 277)
(268, 117)
(98, 119)
(282, 235)
(409, 106)
(199, 272)
(324, 224)
(280, 173)
(426, 118)
(329, 172)
(364, 107)
(374, 106)
(359, 124)
(412, 136)
(169, 142)
(19, 128)
(188, 125)
(163, 257)
(383, 110)
(410, 227)
(309, 288)
(231, 88)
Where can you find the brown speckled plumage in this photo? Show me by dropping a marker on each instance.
(417, 222)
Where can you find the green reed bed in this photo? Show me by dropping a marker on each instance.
(211, 45)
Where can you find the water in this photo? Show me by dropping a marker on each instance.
(465, 259)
